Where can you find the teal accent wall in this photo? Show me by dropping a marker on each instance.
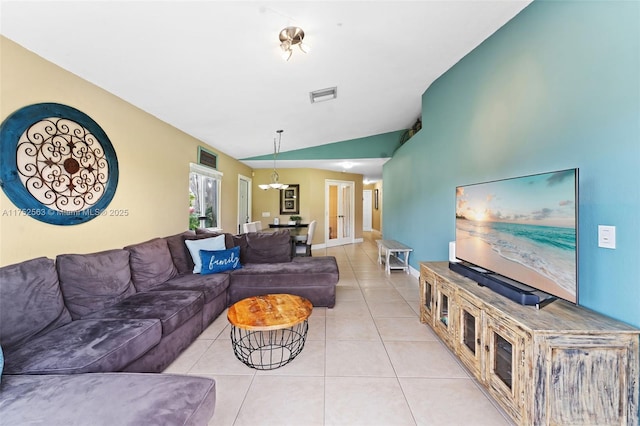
(376, 146)
(557, 87)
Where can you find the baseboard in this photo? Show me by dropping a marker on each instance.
(324, 245)
(414, 272)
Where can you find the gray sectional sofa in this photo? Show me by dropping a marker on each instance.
(123, 312)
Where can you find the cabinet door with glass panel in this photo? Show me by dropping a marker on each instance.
(504, 363)
(470, 345)
(427, 283)
(444, 322)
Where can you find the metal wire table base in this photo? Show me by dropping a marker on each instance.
(267, 350)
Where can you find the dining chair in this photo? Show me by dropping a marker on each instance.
(249, 227)
(303, 247)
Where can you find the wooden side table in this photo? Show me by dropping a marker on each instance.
(269, 331)
(395, 255)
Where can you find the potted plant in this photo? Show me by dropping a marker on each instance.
(295, 219)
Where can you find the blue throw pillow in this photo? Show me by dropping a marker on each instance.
(215, 261)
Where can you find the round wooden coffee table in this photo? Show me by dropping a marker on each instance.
(269, 331)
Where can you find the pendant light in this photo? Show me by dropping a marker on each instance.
(275, 177)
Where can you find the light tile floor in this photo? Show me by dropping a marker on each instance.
(368, 361)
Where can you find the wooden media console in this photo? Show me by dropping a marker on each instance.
(559, 365)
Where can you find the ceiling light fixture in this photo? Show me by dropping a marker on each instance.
(289, 37)
(275, 177)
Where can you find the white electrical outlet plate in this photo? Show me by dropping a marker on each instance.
(607, 236)
(266, 214)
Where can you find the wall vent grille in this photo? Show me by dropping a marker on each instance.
(207, 158)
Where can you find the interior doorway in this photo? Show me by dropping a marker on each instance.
(339, 202)
(367, 210)
(244, 201)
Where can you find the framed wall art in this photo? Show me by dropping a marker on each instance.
(57, 165)
(290, 200)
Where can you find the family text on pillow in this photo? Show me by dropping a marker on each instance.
(214, 261)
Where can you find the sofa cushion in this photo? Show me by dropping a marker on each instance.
(266, 247)
(30, 301)
(172, 307)
(102, 399)
(85, 346)
(314, 278)
(209, 285)
(151, 263)
(179, 253)
(91, 282)
(240, 240)
(297, 272)
(217, 261)
(194, 246)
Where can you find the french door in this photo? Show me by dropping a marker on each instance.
(339, 203)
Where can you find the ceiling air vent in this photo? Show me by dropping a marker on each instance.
(207, 158)
(323, 95)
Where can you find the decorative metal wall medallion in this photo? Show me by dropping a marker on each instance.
(57, 165)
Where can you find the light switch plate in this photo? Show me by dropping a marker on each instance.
(266, 214)
(607, 236)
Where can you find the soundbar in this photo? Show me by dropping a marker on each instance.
(513, 290)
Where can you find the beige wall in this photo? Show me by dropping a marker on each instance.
(153, 161)
(376, 216)
(312, 197)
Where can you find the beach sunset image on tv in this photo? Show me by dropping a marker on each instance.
(522, 228)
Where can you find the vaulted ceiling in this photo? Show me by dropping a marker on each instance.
(214, 68)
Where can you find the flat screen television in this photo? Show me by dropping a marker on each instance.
(523, 229)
